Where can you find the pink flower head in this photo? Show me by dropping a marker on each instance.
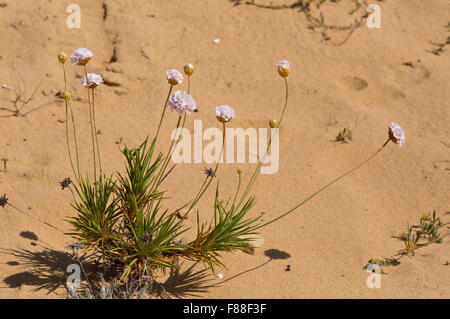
(397, 134)
(225, 113)
(284, 67)
(81, 56)
(174, 77)
(283, 63)
(181, 102)
(93, 79)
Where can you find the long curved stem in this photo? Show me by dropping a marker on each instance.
(67, 128)
(36, 218)
(323, 188)
(260, 164)
(67, 122)
(285, 101)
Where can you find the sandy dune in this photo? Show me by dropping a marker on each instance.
(363, 80)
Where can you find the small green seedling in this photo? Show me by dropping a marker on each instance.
(344, 136)
(416, 236)
(385, 262)
(4, 160)
(410, 239)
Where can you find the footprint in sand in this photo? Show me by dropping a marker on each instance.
(355, 83)
(418, 73)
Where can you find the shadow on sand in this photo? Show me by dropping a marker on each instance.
(45, 270)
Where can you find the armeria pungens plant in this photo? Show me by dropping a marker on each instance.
(121, 220)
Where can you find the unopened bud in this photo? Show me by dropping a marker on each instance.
(66, 95)
(62, 57)
(283, 71)
(284, 67)
(188, 69)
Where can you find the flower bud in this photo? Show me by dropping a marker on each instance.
(62, 57)
(66, 95)
(284, 67)
(283, 71)
(373, 261)
(188, 69)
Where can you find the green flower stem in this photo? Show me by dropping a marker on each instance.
(323, 188)
(189, 84)
(95, 130)
(75, 139)
(169, 152)
(238, 188)
(260, 164)
(163, 112)
(161, 173)
(208, 179)
(285, 101)
(36, 218)
(67, 139)
(65, 77)
(92, 125)
(67, 126)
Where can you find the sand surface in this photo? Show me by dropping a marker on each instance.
(362, 80)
